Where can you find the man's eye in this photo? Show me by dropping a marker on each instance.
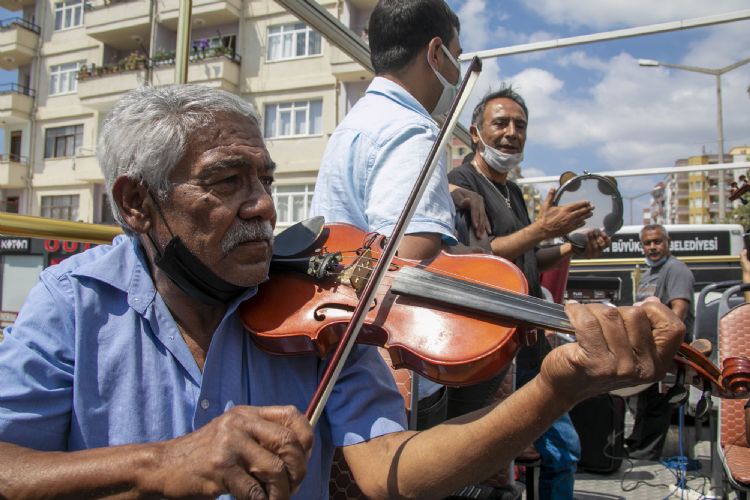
(226, 180)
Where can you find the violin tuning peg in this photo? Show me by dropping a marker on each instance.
(705, 404)
(702, 407)
(677, 395)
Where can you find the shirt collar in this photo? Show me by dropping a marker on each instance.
(397, 93)
(123, 267)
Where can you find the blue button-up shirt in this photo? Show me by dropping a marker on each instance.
(372, 161)
(95, 359)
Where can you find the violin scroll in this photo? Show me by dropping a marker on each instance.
(731, 382)
(735, 376)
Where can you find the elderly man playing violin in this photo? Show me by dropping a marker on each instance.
(129, 373)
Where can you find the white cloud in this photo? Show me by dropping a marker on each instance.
(474, 28)
(609, 14)
(636, 117)
(594, 110)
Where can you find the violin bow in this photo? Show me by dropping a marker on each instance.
(349, 338)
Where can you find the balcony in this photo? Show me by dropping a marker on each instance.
(18, 42)
(364, 4)
(13, 171)
(86, 169)
(204, 13)
(106, 85)
(123, 25)
(16, 4)
(345, 69)
(219, 68)
(101, 87)
(16, 103)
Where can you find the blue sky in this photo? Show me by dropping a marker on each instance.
(591, 106)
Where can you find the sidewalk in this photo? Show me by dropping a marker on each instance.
(646, 479)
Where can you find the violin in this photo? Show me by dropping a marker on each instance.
(457, 320)
(419, 313)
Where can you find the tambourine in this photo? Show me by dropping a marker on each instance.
(598, 190)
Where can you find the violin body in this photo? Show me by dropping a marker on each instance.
(296, 314)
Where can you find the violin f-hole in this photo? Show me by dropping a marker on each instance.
(333, 311)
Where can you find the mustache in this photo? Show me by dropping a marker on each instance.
(243, 231)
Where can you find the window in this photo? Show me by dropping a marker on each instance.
(68, 14)
(227, 41)
(294, 119)
(107, 216)
(287, 41)
(62, 78)
(292, 202)
(11, 204)
(63, 207)
(62, 141)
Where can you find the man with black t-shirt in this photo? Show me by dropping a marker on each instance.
(498, 134)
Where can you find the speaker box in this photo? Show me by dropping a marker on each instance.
(600, 423)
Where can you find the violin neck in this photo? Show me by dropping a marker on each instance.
(476, 297)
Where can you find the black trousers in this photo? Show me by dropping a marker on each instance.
(652, 420)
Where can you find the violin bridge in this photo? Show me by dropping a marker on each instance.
(359, 272)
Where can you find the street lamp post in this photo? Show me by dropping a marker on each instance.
(632, 198)
(719, 116)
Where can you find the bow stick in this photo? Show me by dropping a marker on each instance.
(349, 338)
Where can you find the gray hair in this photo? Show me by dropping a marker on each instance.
(655, 227)
(146, 133)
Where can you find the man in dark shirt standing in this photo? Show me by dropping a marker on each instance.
(672, 282)
(498, 134)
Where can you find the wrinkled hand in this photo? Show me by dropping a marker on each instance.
(615, 348)
(249, 452)
(596, 242)
(560, 220)
(474, 203)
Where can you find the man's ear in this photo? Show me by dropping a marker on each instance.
(432, 49)
(133, 202)
(474, 132)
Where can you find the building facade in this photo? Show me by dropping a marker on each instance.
(693, 197)
(75, 58)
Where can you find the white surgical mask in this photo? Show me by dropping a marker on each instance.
(497, 160)
(449, 90)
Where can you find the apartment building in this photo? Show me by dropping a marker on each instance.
(75, 58)
(693, 197)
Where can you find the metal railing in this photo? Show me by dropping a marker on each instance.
(89, 6)
(19, 21)
(162, 58)
(16, 88)
(14, 158)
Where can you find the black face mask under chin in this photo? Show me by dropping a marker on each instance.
(193, 277)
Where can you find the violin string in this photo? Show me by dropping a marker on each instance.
(526, 300)
(552, 310)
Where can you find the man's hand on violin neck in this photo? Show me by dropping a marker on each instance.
(248, 452)
(615, 348)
